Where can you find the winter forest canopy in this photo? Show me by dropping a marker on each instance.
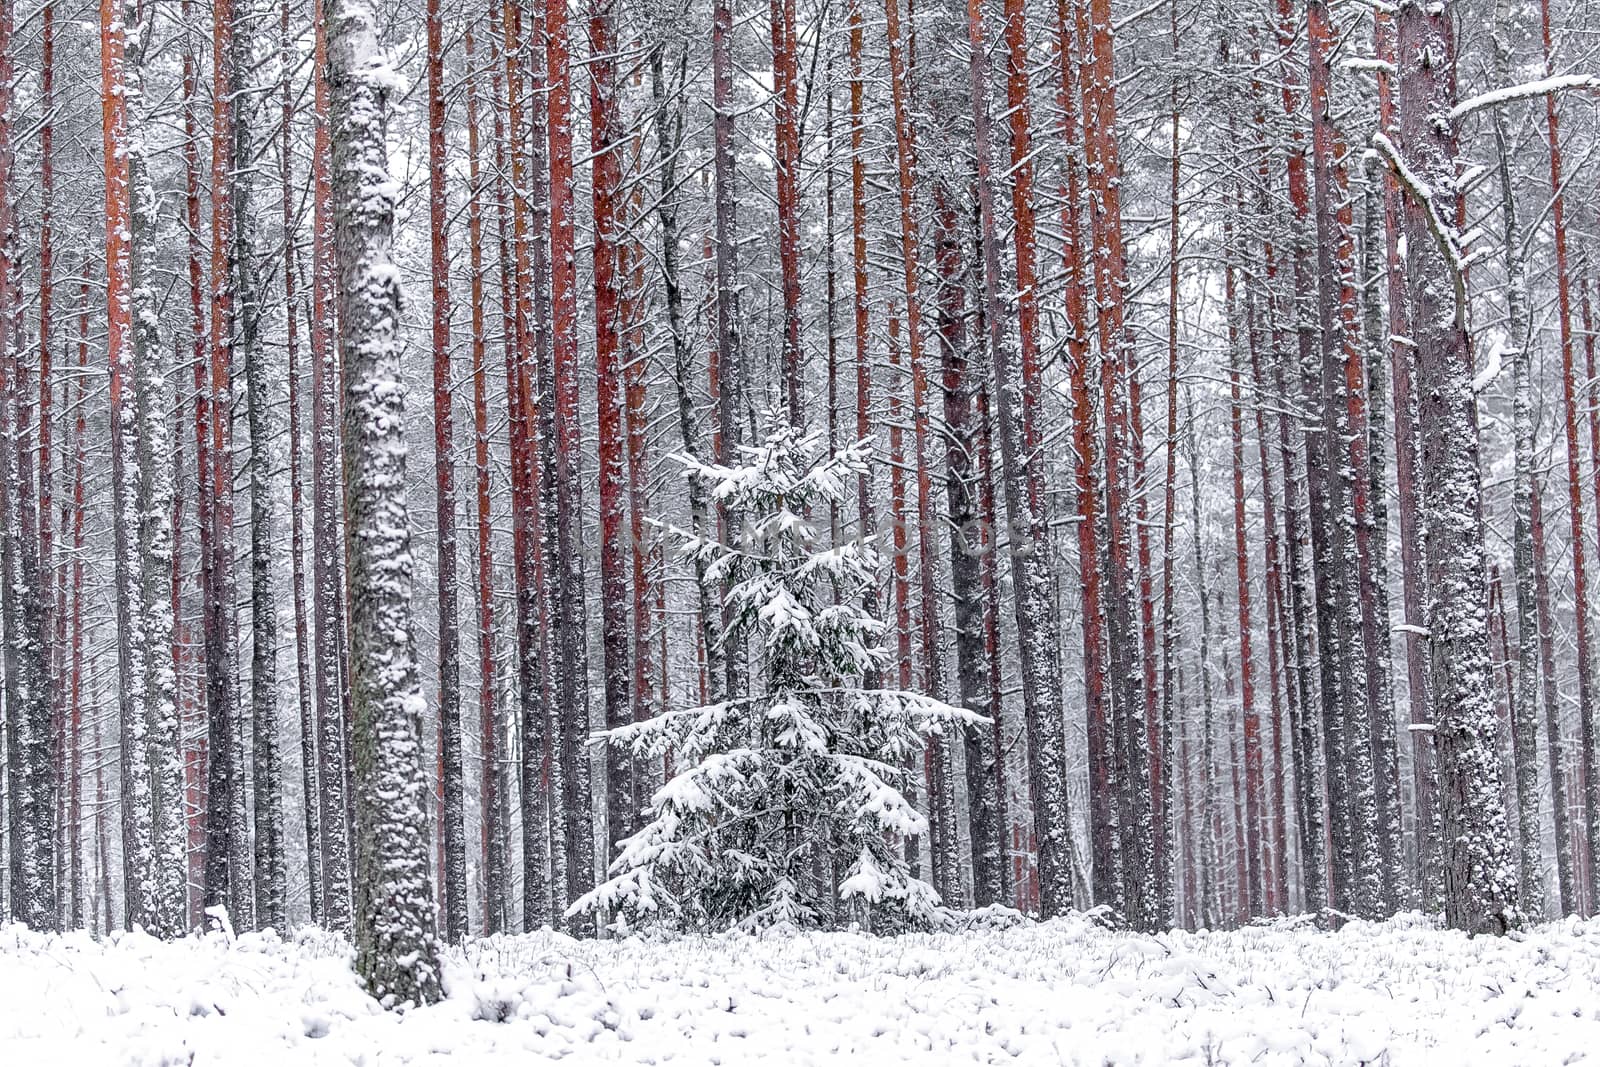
(473, 465)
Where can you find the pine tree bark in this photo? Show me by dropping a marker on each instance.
(270, 862)
(1525, 709)
(491, 786)
(969, 540)
(1254, 767)
(605, 144)
(786, 137)
(1588, 748)
(941, 814)
(729, 353)
(302, 656)
(1568, 874)
(1029, 540)
(453, 862)
(1402, 362)
(228, 856)
(572, 823)
(1119, 454)
(32, 778)
(396, 950)
(1479, 884)
(137, 845)
(1352, 788)
(326, 551)
(1104, 844)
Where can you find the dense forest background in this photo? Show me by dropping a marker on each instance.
(1228, 371)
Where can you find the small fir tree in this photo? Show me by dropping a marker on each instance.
(787, 800)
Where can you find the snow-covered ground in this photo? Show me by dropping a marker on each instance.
(1058, 993)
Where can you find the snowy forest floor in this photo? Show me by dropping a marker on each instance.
(1064, 992)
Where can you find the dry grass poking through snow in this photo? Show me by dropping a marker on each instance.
(1064, 992)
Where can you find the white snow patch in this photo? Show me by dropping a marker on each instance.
(1063, 992)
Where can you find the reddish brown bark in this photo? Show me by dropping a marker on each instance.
(786, 135)
(1107, 875)
(452, 817)
(1136, 815)
(901, 543)
(1254, 774)
(490, 792)
(860, 305)
(572, 819)
(1588, 749)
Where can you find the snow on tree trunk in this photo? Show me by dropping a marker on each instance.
(1525, 709)
(302, 653)
(492, 791)
(605, 135)
(986, 800)
(1479, 882)
(270, 863)
(572, 824)
(139, 893)
(453, 862)
(1029, 552)
(32, 778)
(396, 950)
(326, 550)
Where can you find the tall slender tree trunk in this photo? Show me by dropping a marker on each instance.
(1104, 844)
(729, 353)
(332, 801)
(605, 143)
(32, 777)
(1254, 768)
(1525, 709)
(394, 931)
(1568, 874)
(969, 540)
(269, 868)
(1136, 809)
(786, 137)
(941, 824)
(302, 655)
(1479, 884)
(453, 862)
(491, 791)
(1402, 361)
(572, 824)
(1588, 747)
(134, 792)
(228, 858)
(1029, 537)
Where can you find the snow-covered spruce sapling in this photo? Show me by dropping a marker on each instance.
(787, 806)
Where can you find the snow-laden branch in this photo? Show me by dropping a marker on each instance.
(1495, 97)
(1491, 368)
(1369, 64)
(1443, 232)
